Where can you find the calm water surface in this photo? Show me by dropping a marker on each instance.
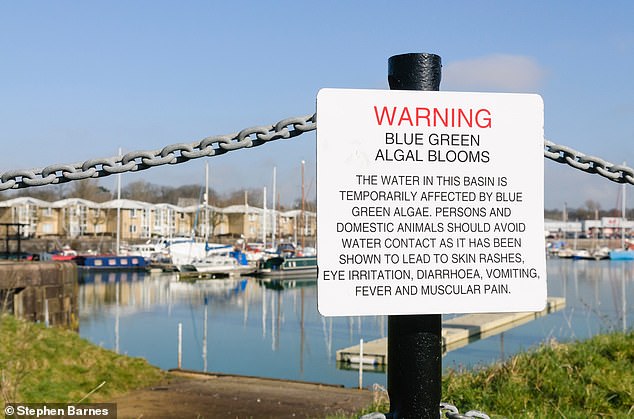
(264, 329)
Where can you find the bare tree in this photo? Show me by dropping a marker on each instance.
(97, 217)
(49, 193)
(142, 191)
(238, 197)
(89, 189)
(593, 207)
(171, 195)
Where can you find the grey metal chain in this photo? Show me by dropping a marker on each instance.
(247, 138)
(171, 154)
(252, 137)
(450, 411)
(589, 164)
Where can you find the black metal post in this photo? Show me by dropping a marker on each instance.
(414, 341)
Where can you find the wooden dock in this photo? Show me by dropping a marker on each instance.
(456, 332)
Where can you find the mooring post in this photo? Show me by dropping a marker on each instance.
(180, 345)
(414, 341)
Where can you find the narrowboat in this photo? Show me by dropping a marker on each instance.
(280, 266)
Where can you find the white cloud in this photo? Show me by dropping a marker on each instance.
(498, 72)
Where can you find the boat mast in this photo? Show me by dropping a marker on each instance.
(274, 220)
(118, 243)
(206, 202)
(264, 217)
(564, 217)
(623, 216)
(303, 222)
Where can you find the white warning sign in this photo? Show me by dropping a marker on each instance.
(429, 202)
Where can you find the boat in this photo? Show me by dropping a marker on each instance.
(565, 253)
(189, 251)
(600, 253)
(151, 251)
(90, 260)
(626, 252)
(110, 262)
(581, 254)
(219, 265)
(66, 254)
(254, 251)
(597, 253)
(281, 266)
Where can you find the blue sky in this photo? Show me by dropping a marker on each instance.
(78, 80)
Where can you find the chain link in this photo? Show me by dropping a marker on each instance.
(250, 137)
(589, 164)
(450, 411)
(171, 154)
(253, 137)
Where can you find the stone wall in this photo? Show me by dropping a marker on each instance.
(29, 289)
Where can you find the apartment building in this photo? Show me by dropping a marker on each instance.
(136, 220)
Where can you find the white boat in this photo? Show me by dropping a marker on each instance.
(565, 253)
(218, 264)
(177, 250)
(185, 253)
(151, 251)
(579, 254)
(601, 253)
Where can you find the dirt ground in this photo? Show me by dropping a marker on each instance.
(194, 395)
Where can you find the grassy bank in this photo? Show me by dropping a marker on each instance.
(591, 378)
(39, 364)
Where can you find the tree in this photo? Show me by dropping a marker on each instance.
(593, 207)
(171, 195)
(253, 197)
(49, 193)
(553, 214)
(96, 217)
(89, 189)
(309, 205)
(142, 191)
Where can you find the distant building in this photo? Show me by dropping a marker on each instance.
(40, 218)
(562, 229)
(76, 218)
(606, 227)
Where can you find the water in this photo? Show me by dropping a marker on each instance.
(255, 328)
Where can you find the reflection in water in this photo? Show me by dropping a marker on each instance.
(601, 290)
(272, 328)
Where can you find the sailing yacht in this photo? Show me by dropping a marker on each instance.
(626, 252)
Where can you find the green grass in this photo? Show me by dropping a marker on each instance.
(39, 364)
(586, 379)
(591, 378)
